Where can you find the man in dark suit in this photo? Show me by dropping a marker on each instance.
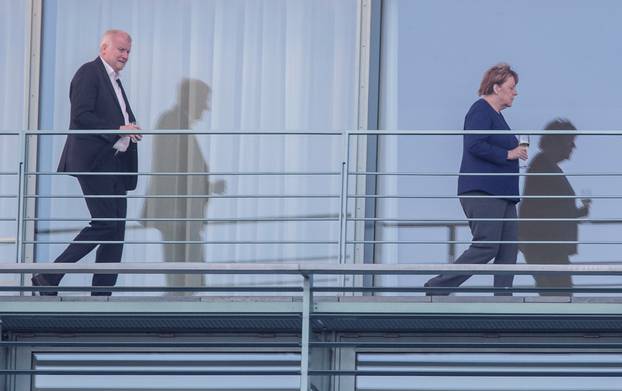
(98, 101)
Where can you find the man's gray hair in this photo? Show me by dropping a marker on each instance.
(107, 37)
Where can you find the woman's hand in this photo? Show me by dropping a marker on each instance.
(519, 152)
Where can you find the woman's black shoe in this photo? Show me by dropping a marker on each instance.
(39, 280)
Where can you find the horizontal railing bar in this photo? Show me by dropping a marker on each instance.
(129, 242)
(477, 344)
(185, 196)
(186, 132)
(190, 388)
(256, 132)
(151, 372)
(304, 268)
(399, 221)
(482, 132)
(189, 219)
(479, 174)
(328, 173)
(206, 173)
(481, 242)
(453, 222)
(465, 223)
(9, 288)
(445, 196)
(466, 373)
(132, 242)
(370, 196)
(12, 173)
(151, 344)
(516, 387)
(470, 289)
(234, 173)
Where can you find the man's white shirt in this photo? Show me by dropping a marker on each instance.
(124, 142)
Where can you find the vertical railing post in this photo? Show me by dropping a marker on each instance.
(305, 353)
(341, 217)
(21, 186)
(343, 214)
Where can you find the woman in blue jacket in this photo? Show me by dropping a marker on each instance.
(490, 196)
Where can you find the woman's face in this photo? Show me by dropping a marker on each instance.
(506, 92)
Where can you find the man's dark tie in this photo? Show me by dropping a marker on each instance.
(122, 90)
(127, 103)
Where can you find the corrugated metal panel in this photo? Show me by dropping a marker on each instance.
(397, 323)
(292, 324)
(164, 323)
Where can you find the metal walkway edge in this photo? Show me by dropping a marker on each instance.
(329, 313)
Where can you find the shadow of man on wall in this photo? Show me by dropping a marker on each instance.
(177, 153)
(553, 150)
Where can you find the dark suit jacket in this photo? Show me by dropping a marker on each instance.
(94, 106)
(487, 153)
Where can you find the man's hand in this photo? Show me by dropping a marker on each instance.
(519, 152)
(134, 137)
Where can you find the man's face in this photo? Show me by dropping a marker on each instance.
(117, 52)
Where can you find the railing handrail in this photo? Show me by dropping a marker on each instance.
(305, 268)
(258, 132)
(342, 218)
(427, 132)
(353, 132)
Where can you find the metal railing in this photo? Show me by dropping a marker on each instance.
(345, 217)
(304, 273)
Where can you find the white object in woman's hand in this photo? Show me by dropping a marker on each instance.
(519, 152)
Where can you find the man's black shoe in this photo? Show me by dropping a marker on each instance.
(39, 280)
(427, 291)
(435, 290)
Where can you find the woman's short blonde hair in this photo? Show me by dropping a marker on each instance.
(497, 74)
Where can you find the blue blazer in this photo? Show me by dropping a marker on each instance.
(94, 105)
(488, 153)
